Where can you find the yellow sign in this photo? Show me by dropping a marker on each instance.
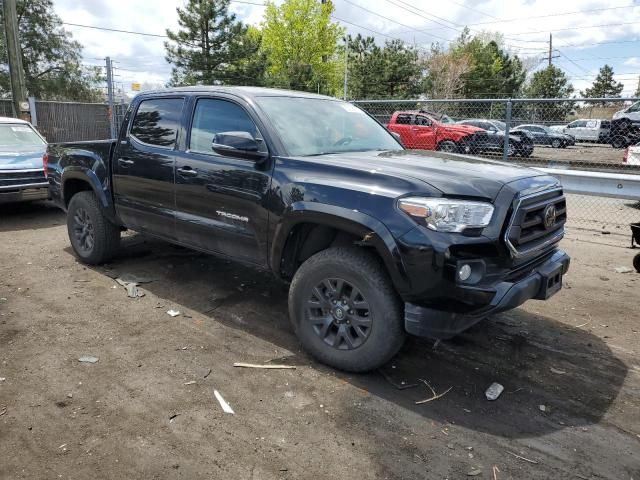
(135, 87)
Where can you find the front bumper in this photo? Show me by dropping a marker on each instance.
(543, 282)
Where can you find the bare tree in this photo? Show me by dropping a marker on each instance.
(444, 73)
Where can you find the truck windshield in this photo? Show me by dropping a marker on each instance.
(18, 135)
(316, 126)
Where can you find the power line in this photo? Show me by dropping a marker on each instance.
(473, 9)
(582, 27)
(115, 30)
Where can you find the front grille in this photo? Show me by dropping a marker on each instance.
(21, 178)
(537, 222)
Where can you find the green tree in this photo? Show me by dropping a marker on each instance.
(210, 47)
(604, 86)
(493, 73)
(366, 68)
(550, 82)
(301, 43)
(50, 57)
(402, 70)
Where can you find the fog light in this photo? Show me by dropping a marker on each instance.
(464, 272)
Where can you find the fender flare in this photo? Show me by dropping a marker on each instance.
(348, 220)
(89, 176)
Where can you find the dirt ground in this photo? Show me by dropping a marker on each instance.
(146, 409)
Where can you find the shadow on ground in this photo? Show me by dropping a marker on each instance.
(539, 361)
(29, 216)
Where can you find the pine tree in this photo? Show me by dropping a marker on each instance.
(604, 86)
(550, 82)
(637, 94)
(211, 47)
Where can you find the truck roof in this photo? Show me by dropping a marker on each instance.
(12, 120)
(242, 91)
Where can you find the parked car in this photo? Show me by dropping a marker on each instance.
(376, 240)
(421, 130)
(589, 130)
(632, 155)
(629, 115)
(22, 174)
(543, 135)
(520, 142)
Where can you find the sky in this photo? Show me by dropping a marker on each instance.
(586, 33)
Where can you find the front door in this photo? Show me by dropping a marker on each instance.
(423, 133)
(220, 198)
(143, 167)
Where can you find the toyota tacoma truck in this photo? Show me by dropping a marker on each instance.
(376, 241)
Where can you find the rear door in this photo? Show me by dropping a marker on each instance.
(143, 166)
(220, 198)
(423, 133)
(591, 130)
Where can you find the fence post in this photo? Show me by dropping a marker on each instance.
(32, 111)
(507, 121)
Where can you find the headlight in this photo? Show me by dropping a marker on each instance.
(446, 215)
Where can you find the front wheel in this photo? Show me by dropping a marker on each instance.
(345, 310)
(447, 146)
(94, 238)
(556, 143)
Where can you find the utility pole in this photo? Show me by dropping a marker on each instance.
(14, 53)
(346, 65)
(550, 47)
(112, 123)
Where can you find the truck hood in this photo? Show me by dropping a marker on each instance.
(451, 174)
(12, 158)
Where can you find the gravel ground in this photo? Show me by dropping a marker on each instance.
(146, 409)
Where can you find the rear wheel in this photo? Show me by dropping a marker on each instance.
(556, 143)
(618, 141)
(93, 237)
(636, 262)
(447, 146)
(345, 310)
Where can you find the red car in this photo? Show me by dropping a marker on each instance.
(420, 130)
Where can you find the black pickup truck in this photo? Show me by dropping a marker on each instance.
(375, 240)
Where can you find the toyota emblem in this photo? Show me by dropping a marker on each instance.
(549, 216)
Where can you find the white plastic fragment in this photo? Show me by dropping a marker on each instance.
(173, 313)
(494, 391)
(623, 270)
(225, 406)
(88, 359)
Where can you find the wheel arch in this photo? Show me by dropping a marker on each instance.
(328, 225)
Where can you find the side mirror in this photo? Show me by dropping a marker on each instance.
(237, 144)
(396, 135)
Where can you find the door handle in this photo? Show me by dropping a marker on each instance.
(125, 162)
(187, 172)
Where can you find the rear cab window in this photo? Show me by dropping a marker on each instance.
(157, 121)
(404, 119)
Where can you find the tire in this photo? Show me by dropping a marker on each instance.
(636, 262)
(93, 237)
(619, 141)
(556, 143)
(331, 339)
(447, 146)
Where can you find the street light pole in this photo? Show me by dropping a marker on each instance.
(14, 53)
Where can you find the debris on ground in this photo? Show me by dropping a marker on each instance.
(2, 379)
(173, 313)
(495, 470)
(494, 391)
(226, 408)
(542, 408)
(192, 382)
(623, 270)
(557, 371)
(434, 396)
(401, 379)
(3, 410)
(522, 458)
(88, 359)
(173, 417)
(131, 287)
(474, 473)
(69, 395)
(264, 366)
(208, 372)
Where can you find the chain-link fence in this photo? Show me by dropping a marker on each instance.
(576, 134)
(71, 121)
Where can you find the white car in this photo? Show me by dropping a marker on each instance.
(632, 155)
(588, 130)
(632, 113)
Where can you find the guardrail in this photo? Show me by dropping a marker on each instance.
(601, 184)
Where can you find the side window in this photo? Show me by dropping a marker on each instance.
(157, 120)
(423, 121)
(403, 119)
(212, 116)
(591, 124)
